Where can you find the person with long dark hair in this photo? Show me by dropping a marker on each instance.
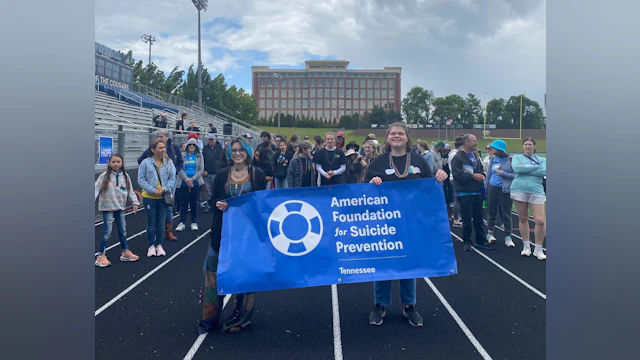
(239, 178)
(527, 193)
(113, 189)
(498, 185)
(301, 172)
(405, 167)
(281, 164)
(156, 176)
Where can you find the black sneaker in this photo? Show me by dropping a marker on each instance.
(466, 247)
(485, 246)
(412, 314)
(376, 316)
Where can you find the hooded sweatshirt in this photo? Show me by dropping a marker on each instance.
(193, 166)
(338, 144)
(116, 195)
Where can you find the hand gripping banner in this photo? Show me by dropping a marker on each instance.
(304, 237)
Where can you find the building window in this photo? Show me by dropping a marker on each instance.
(369, 83)
(348, 104)
(384, 94)
(269, 93)
(305, 93)
(348, 93)
(377, 102)
(305, 104)
(348, 83)
(297, 113)
(312, 93)
(298, 93)
(376, 83)
(341, 93)
(284, 82)
(327, 104)
(384, 84)
(334, 93)
(363, 104)
(290, 93)
(291, 104)
(370, 94)
(327, 93)
(262, 82)
(319, 104)
(312, 81)
(262, 93)
(269, 82)
(341, 82)
(298, 104)
(107, 72)
(327, 114)
(269, 104)
(334, 82)
(392, 93)
(356, 93)
(376, 94)
(262, 113)
(363, 93)
(341, 104)
(276, 93)
(334, 103)
(370, 104)
(392, 84)
(326, 82)
(283, 104)
(305, 82)
(312, 103)
(363, 83)
(262, 104)
(298, 82)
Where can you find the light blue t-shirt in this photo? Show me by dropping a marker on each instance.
(495, 179)
(190, 165)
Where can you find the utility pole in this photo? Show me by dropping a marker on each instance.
(148, 39)
(200, 5)
(278, 77)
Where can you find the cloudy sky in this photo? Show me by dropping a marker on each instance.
(447, 46)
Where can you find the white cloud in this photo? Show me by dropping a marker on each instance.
(448, 46)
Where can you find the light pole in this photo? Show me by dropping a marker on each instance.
(278, 77)
(148, 39)
(200, 5)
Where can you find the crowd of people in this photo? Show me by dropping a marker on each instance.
(171, 177)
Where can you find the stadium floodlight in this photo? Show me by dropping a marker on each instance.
(200, 5)
(148, 39)
(279, 77)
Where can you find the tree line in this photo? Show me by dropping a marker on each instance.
(419, 106)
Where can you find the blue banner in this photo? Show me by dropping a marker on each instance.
(295, 238)
(106, 149)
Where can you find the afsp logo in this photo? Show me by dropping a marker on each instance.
(295, 228)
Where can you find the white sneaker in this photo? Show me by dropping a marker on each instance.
(526, 251)
(194, 226)
(509, 242)
(152, 251)
(160, 251)
(180, 227)
(491, 239)
(539, 253)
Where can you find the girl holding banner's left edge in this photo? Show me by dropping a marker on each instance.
(397, 163)
(237, 179)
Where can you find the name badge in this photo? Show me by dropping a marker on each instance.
(390, 171)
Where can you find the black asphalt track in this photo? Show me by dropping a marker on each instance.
(156, 319)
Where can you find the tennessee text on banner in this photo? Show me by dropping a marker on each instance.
(294, 238)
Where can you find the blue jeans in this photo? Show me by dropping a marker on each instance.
(382, 292)
(189, 198)
(109, 217)
(281, 183)
(156, 213)
(208, 182)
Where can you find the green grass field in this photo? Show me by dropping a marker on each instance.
(512, 145)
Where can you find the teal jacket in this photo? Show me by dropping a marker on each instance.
(529, 175)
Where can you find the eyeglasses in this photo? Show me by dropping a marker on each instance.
(238, 150)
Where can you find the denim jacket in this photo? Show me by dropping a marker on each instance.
(148, 176)
(507, 175)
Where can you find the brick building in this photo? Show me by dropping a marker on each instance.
(324, 89)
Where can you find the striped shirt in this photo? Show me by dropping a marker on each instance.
(115, 197)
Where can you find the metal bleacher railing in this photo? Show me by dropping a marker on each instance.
(202, 115)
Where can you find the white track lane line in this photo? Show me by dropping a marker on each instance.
(196, 345)
(112, 301)
(538, 292)
(455, 316)
(129, 238)
(337, 336)
(502, 229)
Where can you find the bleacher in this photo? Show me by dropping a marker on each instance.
(133, 98)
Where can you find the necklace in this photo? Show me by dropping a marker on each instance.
(307, 166)
(406, 168)
(334, 156)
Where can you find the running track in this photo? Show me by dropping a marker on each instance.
(494, 308)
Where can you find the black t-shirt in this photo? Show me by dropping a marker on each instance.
(306, 172)
(380, 165)
(331, 160)
(194, 129)
(179, 124)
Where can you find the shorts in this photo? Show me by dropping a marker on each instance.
(529, 198)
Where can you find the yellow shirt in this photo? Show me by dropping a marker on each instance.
(154, 196)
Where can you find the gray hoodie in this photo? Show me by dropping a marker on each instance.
(182, 176)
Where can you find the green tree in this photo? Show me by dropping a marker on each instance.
(416, 105)
(472, 111)
(496, 113)
(449, 107)
(378, 116)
